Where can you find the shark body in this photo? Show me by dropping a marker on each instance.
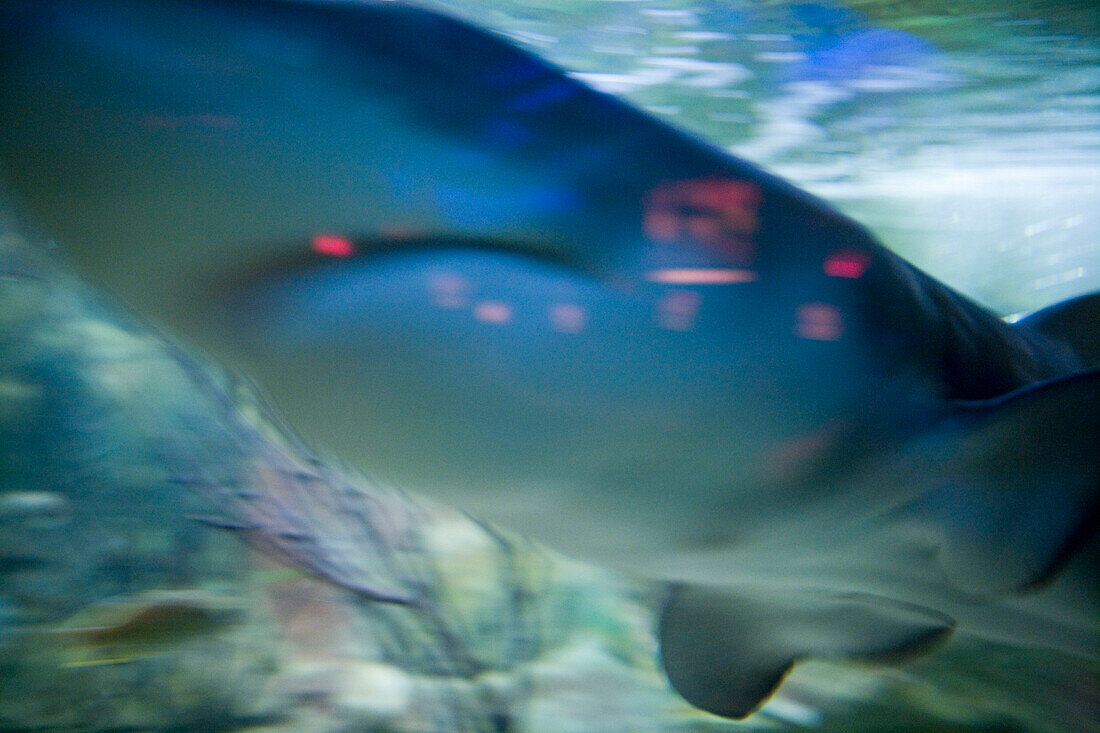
(446, 258)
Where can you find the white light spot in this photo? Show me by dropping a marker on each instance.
(568, 318)
(1037, 228)
(780, 57)
(491, 311)
(701, 276)
(1060, 278)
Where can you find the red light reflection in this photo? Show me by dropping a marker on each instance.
(677, 310)
(332, 245)
(847, 263)
(720, 214)
(819, 322)
(568, 318)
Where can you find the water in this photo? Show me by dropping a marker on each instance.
(967, 138)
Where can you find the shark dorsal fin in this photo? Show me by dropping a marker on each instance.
(1075, 322)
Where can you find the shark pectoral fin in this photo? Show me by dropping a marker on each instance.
(1075, 322)
(1021, 492)
(726, 650)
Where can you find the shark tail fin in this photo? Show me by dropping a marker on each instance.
(1019, 493)
(726, 650)
(1075, 322)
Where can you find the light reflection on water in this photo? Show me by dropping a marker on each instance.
(968, 141)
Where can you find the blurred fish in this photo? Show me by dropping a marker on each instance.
(151, 623)
(449, 261)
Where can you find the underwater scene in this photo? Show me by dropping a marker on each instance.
(550, 366)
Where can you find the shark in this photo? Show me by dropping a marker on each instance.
(450, 262)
